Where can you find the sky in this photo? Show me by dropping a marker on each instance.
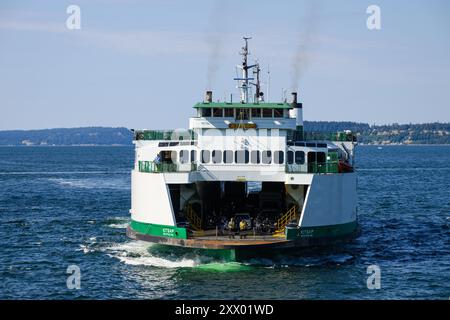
(144, 64)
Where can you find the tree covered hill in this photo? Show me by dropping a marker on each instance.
(67, 136)
(427, 133)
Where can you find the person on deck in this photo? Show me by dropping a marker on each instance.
(231, 226)
(242, 228)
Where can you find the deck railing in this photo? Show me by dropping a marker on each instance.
(314, 167)
(169, 135)
(290, 215)
(329, 136)
(150, 166)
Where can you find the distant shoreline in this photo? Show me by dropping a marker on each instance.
(376, 135)
(66, 145)
(131, 145)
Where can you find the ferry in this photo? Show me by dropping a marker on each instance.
(245, 180)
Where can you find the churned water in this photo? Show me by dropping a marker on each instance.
(62, 206)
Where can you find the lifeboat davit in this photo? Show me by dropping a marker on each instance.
(344, 167)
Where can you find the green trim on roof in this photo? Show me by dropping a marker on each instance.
(263, 105)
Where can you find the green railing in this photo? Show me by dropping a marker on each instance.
(314, 167)
(327, 167)
(328, 136)
(150, 166)
(169, 135)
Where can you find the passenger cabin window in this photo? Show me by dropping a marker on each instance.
(242, 114)
(228, 156)
(242, 156)
(205, 156)
(217, 156)
(206, 112)
(254, 157)
(290, 157)
(229, 112)
(267, 113)
(256, 113)
(319, 157)
(278, 157)
(217, 112)
(168, 156)
(299, 157)
(184, 156)
(193, 155)
(267, 157)
(278, 113)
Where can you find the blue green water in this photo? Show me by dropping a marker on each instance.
(62, 206)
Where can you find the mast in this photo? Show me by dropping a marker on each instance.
(244, 87)
(244, 81)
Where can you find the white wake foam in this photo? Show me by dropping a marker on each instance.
(93, 183)
(118, 222)
(137, 253)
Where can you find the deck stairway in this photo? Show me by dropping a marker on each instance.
(282, 222)
(194, 220)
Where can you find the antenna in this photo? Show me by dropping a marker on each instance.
(259, 95)
(268, 83)
(244, 81)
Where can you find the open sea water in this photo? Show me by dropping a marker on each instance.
(62, 206)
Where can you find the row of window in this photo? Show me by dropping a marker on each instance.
(242, 113)
(308, 144)
(253, 157)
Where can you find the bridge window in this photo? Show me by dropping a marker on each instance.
(217, 112)
(278, 113)
(217, 156)
(184, 156)
(241, 156)
(256, 113)
(278, 157)
(206, 112)
(267, 157)
(193, 155)
(205, 156)
(228, 156)
(299, 157)
(267, 113)
(242, 114)
(229, 112)
(254, 157)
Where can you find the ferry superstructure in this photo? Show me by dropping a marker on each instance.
(248, 160)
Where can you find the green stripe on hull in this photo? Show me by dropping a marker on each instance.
(330, 231)
(158, 230)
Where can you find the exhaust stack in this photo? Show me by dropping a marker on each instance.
(297, 112)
